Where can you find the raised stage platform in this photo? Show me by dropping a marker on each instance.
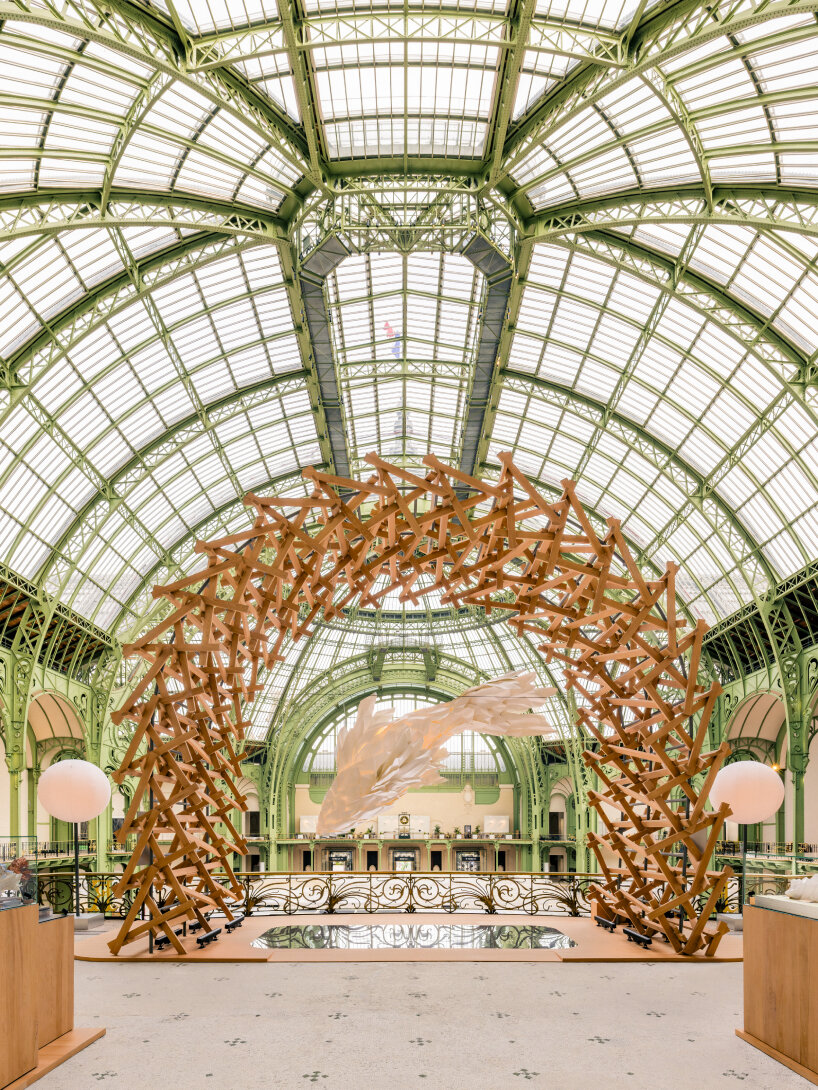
(592, 943)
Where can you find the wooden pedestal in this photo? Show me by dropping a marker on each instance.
(780, 994)
(18, 999)
(36, 997)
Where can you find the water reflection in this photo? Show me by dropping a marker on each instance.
(413, 937)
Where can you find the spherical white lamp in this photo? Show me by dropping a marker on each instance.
(74, 791)
(753, 791)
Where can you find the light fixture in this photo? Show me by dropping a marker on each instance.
(468, 794)
(74, 791)
(754, 792)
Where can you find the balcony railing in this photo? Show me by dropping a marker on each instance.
(454, 778)
(38, 850)
(272, 893)
(766, 847)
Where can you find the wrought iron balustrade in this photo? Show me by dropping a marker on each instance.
(273, 893)
(34, 849)
(269, 893)
(732, 848)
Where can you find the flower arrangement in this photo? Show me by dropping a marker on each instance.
(15, 876)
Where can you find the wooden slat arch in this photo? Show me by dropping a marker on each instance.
(630, 659)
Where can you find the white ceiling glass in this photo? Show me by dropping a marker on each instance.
(406, 330)
(584, 232)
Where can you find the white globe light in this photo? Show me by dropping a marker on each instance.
(753, 791)
(74, 791)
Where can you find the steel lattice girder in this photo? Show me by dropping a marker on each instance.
(661, 35)
(147, 37)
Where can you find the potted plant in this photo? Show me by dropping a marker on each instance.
(368, 833)
(477, 830)
(457, 834)
(437, 831)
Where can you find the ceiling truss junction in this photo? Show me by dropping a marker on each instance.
(150, 38)
(171, 210)
(661, 35)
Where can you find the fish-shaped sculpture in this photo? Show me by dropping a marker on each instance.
(379, 758)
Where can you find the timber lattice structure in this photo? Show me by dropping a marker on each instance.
(492, 544)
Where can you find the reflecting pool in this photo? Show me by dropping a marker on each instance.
(411, 936)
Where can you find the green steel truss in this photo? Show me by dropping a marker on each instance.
(229, 252)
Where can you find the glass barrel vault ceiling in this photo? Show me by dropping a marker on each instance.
(631, 187)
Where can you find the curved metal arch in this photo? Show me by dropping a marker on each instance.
(106, 487)
(162, 49)
(303, 745)
(301, 727)
(658, 37)
(760, 420)
(699, 286)
(757, 206)
(113, 295)
(202, 529)
(790, 392)
(487, 630)
(66, 554)
(624, 425)
(291, 745)
(183, 431)
(163, 553)
(48, 212)
(783, 730)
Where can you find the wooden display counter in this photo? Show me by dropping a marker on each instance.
(780, 993)
(36, 997)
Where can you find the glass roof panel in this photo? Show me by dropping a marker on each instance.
(154, 359)
(406, 328)
(741, 100)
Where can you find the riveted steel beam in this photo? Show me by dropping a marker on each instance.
(312, 275)
(663, 33)
(46, 213)
(291, 13)
(508, 76)
(762, 207)
(498, 274)
(660, 454)
(149, 37)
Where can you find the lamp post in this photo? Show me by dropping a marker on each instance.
(754, 792)
(74, 791)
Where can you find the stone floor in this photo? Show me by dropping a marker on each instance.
(387, 1026)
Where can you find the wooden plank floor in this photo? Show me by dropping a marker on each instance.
(593, 944)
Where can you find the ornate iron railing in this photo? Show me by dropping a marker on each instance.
(361, 891)
(271, 893)
(34, 849)
(268, 893)
(732, 848)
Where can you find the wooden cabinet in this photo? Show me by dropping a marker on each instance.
(54, 973)
(18, 996)
(780, 992)
(36, 996)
